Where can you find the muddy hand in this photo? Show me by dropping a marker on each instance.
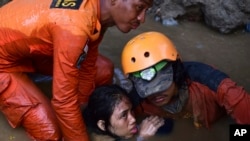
(149, 126)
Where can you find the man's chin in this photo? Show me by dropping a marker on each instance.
(158, 104)
(124, 30)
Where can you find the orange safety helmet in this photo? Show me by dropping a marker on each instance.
(145, 50)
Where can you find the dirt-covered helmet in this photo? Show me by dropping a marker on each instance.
(147, 58)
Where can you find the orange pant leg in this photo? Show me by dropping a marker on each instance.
(23, 104)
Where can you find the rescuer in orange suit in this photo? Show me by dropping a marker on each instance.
(60, 38)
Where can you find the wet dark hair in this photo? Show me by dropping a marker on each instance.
(101, 106)
(180, 75)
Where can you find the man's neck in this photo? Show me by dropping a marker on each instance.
(106, 18)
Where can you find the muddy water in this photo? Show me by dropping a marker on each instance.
(195, 42)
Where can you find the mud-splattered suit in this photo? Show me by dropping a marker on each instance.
(50, 37)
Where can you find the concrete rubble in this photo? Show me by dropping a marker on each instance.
(222, 15)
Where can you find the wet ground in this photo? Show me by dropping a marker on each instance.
(195, 42)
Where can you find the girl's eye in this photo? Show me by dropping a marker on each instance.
(139, 8)
(124, 115)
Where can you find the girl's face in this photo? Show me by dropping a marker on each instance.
(122, 121)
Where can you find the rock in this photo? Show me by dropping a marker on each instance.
(165, 11)
(222, 15)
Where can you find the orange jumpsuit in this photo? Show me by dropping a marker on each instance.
(48, 37)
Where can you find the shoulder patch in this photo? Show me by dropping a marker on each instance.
(66, 4)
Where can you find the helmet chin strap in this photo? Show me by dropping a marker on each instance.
(177, 105)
